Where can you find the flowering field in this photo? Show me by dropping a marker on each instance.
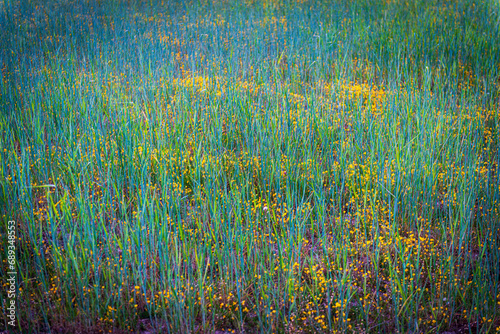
(251, 167)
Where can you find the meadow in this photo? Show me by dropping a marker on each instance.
(251, 166)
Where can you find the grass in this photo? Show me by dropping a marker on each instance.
(273, 167)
